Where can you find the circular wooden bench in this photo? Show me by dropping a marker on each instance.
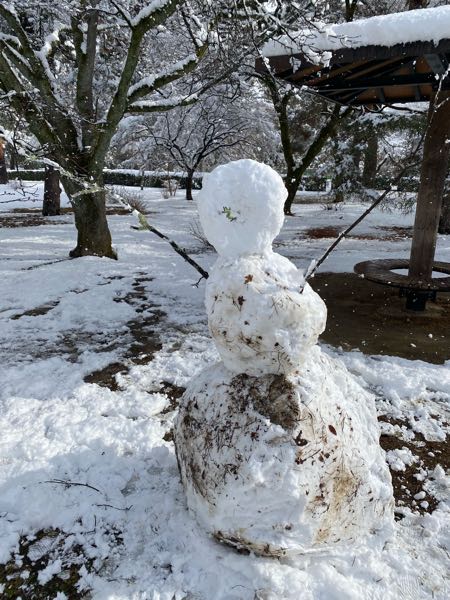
(416, 289)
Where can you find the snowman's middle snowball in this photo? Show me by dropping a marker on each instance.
(261, 320)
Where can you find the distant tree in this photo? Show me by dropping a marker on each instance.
(305, 124)
(191, 136)
(51, 205)
(3, 170)
(293, 109)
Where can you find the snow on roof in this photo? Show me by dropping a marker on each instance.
(423, 25)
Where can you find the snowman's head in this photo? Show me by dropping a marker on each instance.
(241, 207)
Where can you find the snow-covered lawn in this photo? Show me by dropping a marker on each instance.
(89, 486)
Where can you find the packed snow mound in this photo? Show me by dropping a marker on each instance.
(281, 466)
(261, 320)
(241, 207)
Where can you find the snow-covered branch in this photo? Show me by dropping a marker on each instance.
(153, 82)
(148, 106)
(154, 11)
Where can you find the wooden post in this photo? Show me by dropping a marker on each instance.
(52, 193)
(433, 172)
(3, 171)
(444, 222)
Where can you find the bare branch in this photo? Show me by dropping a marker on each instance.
(146, 225)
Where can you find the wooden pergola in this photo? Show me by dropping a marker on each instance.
(374, 76)
(369, 75)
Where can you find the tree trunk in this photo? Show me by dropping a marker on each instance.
(94, 237)
(13, 159)
(52, 193)
(3, 171)
(414, 4)
(433, 172)
(341, 173)
(444, 222)
(295, 174)
(292, 186)
(189, 183)
(370, 160)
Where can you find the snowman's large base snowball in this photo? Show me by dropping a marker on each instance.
(280, 465)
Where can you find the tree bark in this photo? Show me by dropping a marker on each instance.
(89, 206)
(292, 188)
(323, 135)
(444, 221)
(189, 183)
(52, 193)
(3, 171)
(414, 4)
(433, 172)
(13, 160)
(370, 160)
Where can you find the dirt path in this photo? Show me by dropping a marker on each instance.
(371, 317)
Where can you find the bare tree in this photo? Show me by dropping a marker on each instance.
(191, 136)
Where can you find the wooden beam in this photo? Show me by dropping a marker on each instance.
(384, 67)
(350, 68)
(382, 82)
(353, 71)
(381, 95)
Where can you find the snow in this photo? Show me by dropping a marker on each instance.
(258, 316)
(241, 207)
(148, 82)
(284, 467)
(399, 459)
(260, 320)
(144, 82)
(49, 42)
(167, 103)
(55, 426)
(147, 173)
(423, 25)
(148, 10)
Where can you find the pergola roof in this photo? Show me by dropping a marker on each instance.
(354, 70)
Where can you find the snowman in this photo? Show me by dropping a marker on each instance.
(277, 444)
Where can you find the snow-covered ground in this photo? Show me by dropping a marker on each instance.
(92, 471)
